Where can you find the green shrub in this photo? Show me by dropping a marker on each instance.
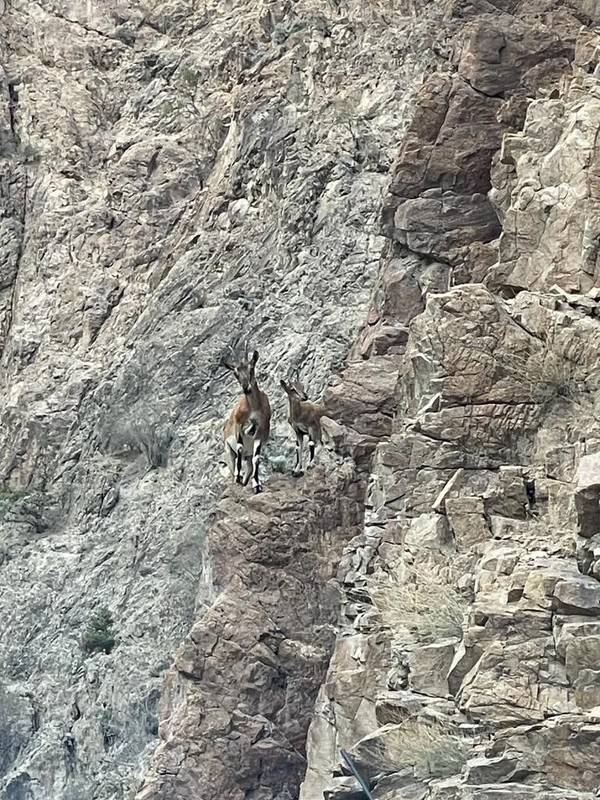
(190, 78)
(99, 636)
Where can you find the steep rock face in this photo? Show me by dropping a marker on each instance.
(239, 698)
(176, 179)
(546, 185)
(470, 611)
(179, 178)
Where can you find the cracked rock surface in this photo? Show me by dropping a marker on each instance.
(470, 608)
(176, 178)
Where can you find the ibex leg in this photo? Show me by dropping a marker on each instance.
(230, 459)
(238, 461)
(256, 486)
(311, 447)
(249, 469)
(299, 445)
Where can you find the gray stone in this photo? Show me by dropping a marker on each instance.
(429, 667)
(467, 521)
(580, 594)
(588, 556)
(492, 770)
(428, 532)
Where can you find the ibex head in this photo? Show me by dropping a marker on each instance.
(244, 370)
(294, 389)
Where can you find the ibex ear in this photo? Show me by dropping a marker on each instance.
(228, 365)
(255, 356)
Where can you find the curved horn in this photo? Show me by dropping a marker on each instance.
(228, 359)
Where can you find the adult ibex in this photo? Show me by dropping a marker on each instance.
(305, 419)
(247, 427)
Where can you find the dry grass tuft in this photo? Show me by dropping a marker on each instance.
(432, 750)
(422, 604)
(545, 375)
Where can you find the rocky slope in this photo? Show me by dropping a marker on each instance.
(400, 201)
(177, 178)
(468, 668)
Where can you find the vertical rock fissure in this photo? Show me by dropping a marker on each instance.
(7, 322)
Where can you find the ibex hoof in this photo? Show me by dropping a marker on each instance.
(257, 489)
(297, 473)
(239, 479)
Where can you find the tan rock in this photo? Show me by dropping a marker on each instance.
(467, 521)
(428, 532)
(429, 667)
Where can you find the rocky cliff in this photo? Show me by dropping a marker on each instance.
(398, 199)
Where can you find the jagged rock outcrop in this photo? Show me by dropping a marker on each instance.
(239, 698)
(546, 187)
(471, 610)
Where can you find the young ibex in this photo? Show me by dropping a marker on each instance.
(247, 427)
(305, 419)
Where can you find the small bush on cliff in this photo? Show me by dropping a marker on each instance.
(99, 637)
(430, 748)
(152, 441)
(420, 601)
(546, 374)
(24, 507)
(5, 554)
(433, 750)
(131, 435)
